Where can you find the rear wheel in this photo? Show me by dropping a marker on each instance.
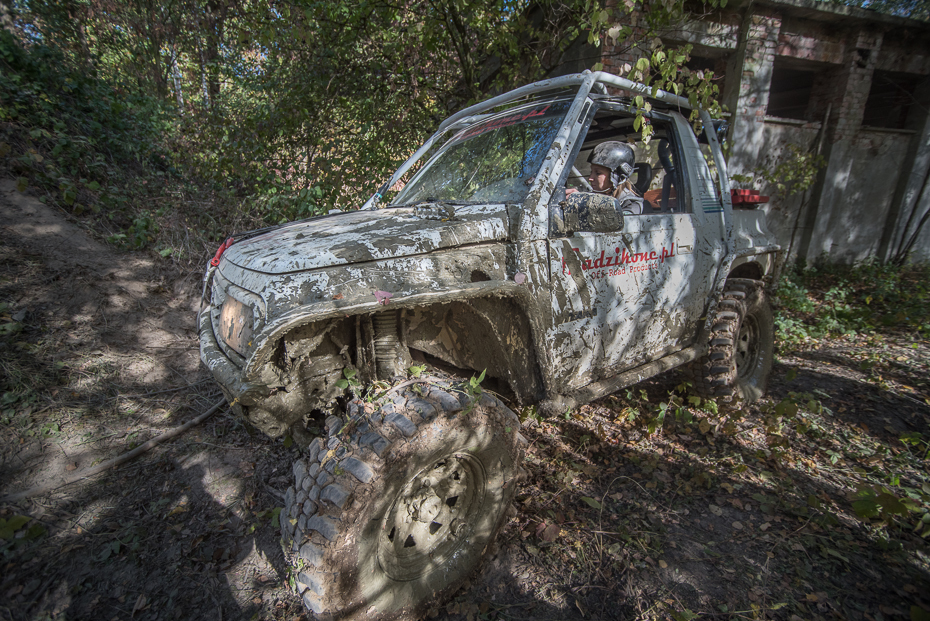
(742, 343)
(398, 508)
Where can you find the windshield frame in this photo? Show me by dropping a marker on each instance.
(478, 125)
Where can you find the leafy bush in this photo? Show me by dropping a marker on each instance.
(829, 300)
(70, 133)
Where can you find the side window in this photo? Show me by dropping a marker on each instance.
(655, 180)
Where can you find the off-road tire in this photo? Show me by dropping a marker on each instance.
(742, 342)
(400, 503)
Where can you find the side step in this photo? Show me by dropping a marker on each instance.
(604, 387)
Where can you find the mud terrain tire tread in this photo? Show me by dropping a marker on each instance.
(349, 486)
(716, 375)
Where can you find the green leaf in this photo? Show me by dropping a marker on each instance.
(35, 531)
(21, 184)
(919, 614)
(288, 441)
(342, 384)
(865, 508)
(833, 552)
(594, 504)
(891, 504)
(9, 527)
(684, 615)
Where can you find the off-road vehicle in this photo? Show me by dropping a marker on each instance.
(483, 262)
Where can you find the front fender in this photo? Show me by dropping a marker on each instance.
(321, 311)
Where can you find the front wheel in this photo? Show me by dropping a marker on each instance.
(397, 509)
(742, 344)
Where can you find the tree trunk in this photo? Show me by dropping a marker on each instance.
(906, 246)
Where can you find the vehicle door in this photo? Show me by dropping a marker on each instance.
(625, 297)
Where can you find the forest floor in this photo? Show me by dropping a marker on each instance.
(746, 514)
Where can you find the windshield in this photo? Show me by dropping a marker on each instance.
(494, 160)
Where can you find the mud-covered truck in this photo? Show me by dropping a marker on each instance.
(495, 257)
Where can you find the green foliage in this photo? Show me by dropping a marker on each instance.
(194, 120)
(791, 170)
(348, 379)
(18, 530)
(909, 510)
(74, 137)
(473, 387)
(828, 300)
(913, 9)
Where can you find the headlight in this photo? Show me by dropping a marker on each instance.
(236, 324)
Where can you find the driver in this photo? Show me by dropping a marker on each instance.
(611, 168)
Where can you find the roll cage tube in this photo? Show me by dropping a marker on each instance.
(586, 80)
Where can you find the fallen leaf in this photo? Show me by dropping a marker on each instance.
(551, 533)
(663, 564)
(738, 525)
(140, 603)
(71, 467)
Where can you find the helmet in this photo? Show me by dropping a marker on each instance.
(618, 157)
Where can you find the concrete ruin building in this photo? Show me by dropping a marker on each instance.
(851, 84)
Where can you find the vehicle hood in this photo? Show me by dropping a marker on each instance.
(359, 236)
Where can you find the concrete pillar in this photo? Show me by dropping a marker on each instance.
(828, 214)
(752, 62)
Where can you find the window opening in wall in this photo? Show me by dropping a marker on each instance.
(890, 99)
(790, 91)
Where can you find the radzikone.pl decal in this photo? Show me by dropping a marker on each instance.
(620, 262)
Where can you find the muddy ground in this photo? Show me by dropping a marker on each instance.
(746, 515)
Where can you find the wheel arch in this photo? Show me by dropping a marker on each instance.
(490, 328)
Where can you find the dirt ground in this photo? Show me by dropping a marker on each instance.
(748, 515)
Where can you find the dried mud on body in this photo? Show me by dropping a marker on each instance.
(644, 505)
